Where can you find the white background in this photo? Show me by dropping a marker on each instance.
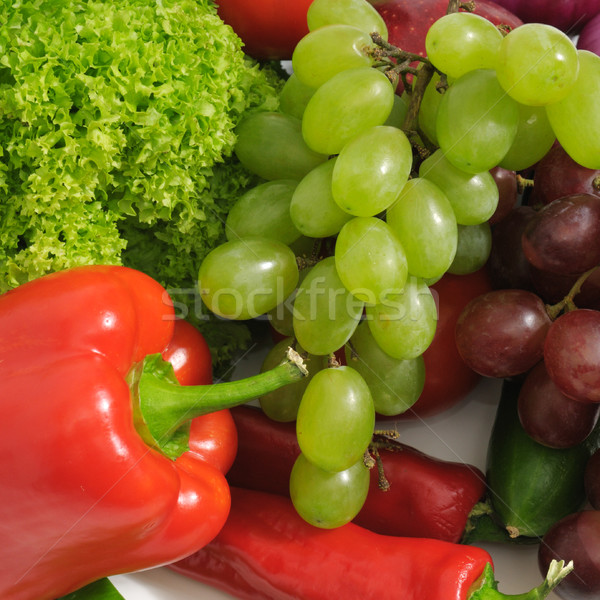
(460, 434)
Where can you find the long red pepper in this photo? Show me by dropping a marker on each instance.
(266, 551)
(94, 479)
(427, 497)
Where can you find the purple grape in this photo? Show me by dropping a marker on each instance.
(564, 236)
(501, 333)
(577, 538)
(549, 417)
(572, 354)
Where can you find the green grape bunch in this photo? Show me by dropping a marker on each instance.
(377, 182)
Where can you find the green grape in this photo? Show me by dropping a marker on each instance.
(461, 42)
(537, 64)
(370, 259)
(477, 122)
(423, 220)
(322, 53)
(576, 119)
(281, 317)
(245, 278)
(264, 211)
(271, 145)
(313, 209)
(325, 313)
(335, 419)
(474, 247)
(429, 108)
(347, 104)
(358, 13)
(282, 404)
(395, 384)
(534, 139)
(473, 196)
(399, 111)
(370, 170)
(328, 500)
(404, 325)
(294, 97)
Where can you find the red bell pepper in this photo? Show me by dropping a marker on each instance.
(266, 551)
(427, 497)
(95, 479)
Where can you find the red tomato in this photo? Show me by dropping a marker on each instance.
(447, 378)
(270, 29)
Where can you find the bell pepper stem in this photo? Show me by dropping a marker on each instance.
(488, 589)
(163, 408)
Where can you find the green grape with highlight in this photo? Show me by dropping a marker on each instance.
(371, 170)
(576, 119)
(533, 141)
(473, 196)
(326, 51)
(537, 64)
(423, 220)
(245, 278)
(370, 259)
(404, 325)
(395, 384)
(313, 490)
(313, 210)
(461, 42)
(344, 106)
(264, 211)
(335, 420)
(358, 13)
(270, 144)
(325, 313)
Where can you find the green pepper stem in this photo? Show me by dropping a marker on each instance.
(488, 590)
(163, 407)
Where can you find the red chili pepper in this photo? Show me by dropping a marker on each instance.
(266, 551)
(427, 497)
(94, 478)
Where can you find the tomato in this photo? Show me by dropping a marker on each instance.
(270, 29)
(447, 378)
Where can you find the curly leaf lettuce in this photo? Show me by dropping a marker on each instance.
(116, 135)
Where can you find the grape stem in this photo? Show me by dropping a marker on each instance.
(455, 5)
(387, 440)
(567, 304)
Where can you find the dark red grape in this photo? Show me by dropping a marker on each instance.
(557, 175)
(501, 333)
(575, 538)
(508, 193)
(572, 354)
(592, 480)
(507, 265)
(553, 288)
(549, 417)
(564, 236)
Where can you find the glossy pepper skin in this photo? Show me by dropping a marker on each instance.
(81, 495)
(266, 551)
(428, 497)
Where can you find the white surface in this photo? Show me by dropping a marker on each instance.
(460, 434)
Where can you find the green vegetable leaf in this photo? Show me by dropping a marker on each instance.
(103, 589)
(117, 127)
